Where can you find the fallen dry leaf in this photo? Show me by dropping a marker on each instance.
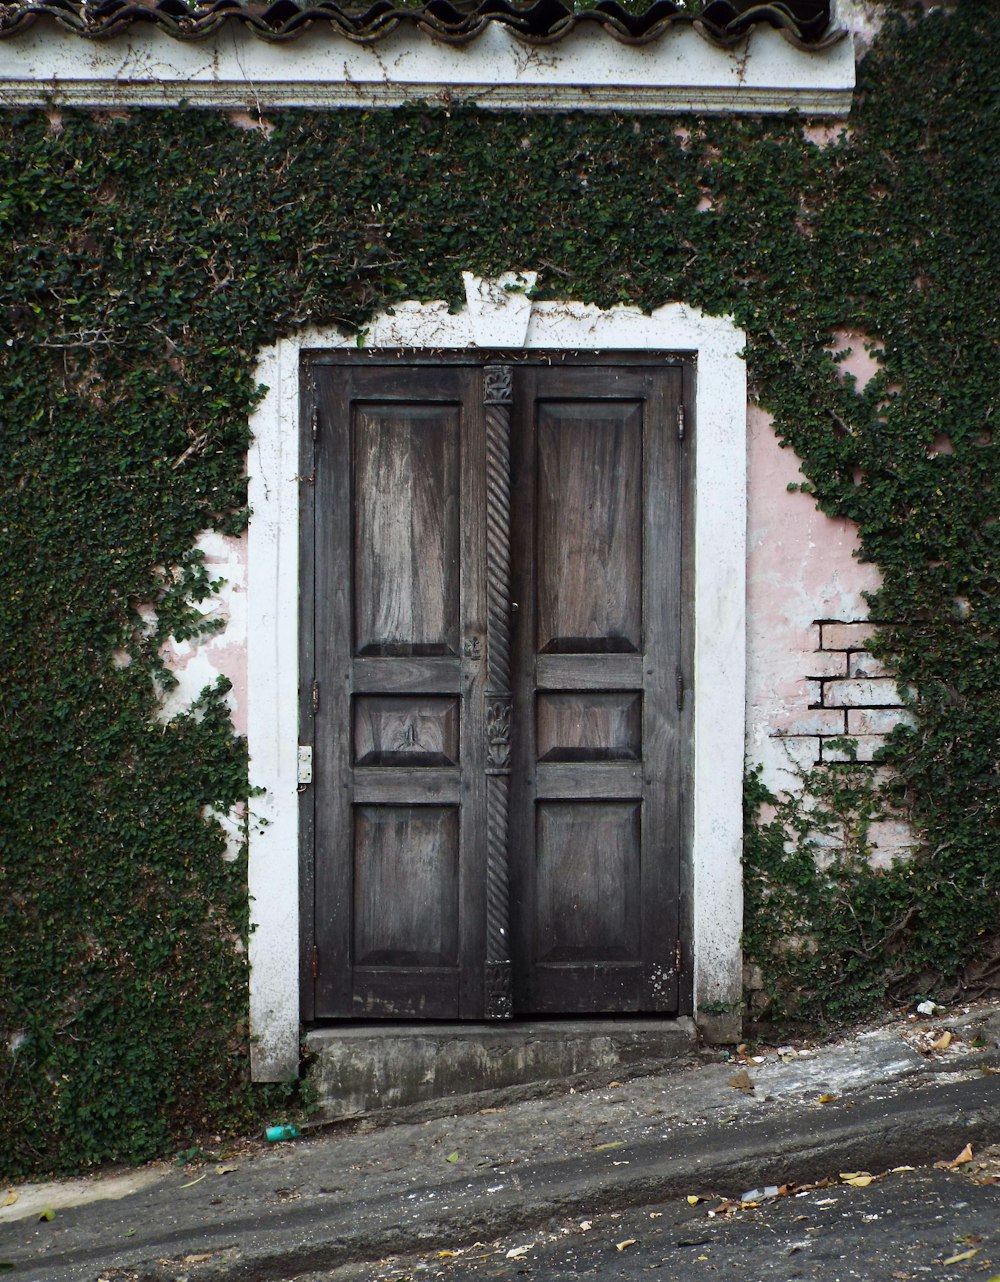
(742, 1081)
(603, 1148)
(693, 1199)
(586, 1225)
(517, 1252)
(452, 1157)
(10, 1199)
(827, 1099)
(857, 1179)
(963, 1157)
(197, 1259)
(942, 1043)
(226, 1170)
(963, 1255)
(630, 1241)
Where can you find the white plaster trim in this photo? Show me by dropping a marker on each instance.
(497, 313)
(273, 717)
(587, 69)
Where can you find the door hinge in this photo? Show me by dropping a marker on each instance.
(314, 963)
(315, 423)
(680, 421)
(679, 690)
(305, 768)
(678, 956)
(315, 696)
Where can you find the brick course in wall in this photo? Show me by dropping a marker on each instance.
(849, 695)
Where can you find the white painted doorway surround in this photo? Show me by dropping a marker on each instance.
(500, 314)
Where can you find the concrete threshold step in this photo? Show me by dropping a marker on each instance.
(360, 1070)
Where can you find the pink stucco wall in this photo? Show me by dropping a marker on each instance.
(801, 567)
(198, 664)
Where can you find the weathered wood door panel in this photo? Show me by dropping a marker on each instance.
(398, 624)
(494, 721)
(596, 781)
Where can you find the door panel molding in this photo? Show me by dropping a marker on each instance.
(713, 694)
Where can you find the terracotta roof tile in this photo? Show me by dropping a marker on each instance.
(804, 23)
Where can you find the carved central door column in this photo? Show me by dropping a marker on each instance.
(498, 394)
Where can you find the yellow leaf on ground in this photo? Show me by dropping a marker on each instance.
(964, 1156)
(827, 1099)
(621, 1246)
(10, 1199)
(859, 1181)
(603, 1148)
(964, 1255)
(693, 1199)
(942, 1043)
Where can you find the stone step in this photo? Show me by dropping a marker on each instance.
(363, 1070)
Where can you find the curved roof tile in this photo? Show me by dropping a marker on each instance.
(804, 23)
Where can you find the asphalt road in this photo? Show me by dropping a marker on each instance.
(904, 1225)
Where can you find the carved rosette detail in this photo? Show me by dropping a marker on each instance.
(497, 396)
(499, 1000)
(498, 383)
(498, 714)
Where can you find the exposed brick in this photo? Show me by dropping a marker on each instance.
(827, 663)
(879, 692)
(819, 721)
(862, 664)
(891, 834)
(892, 841)
(867, 745)
(846, 636)
(827, 840)
(876, 720)
(801, 750)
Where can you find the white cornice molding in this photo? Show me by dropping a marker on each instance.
(587, 70)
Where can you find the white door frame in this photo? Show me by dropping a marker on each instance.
(501, 315)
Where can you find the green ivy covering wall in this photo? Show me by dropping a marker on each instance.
(149, 255)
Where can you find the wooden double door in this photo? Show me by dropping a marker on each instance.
(494, 674)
